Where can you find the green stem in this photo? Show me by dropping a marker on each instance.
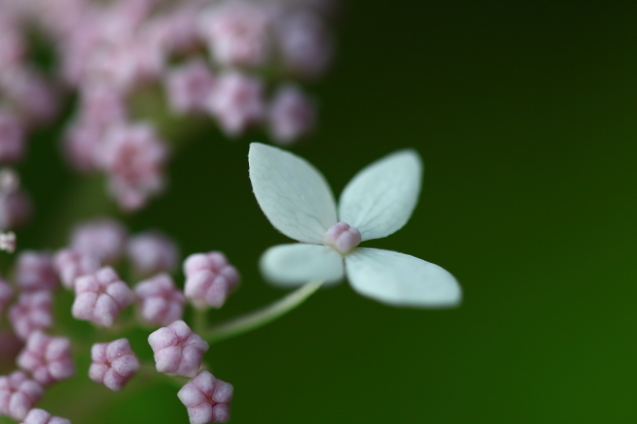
(260, 317)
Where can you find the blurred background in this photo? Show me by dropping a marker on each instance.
(525, 115)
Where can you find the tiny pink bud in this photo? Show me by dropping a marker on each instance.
(189, 87)
(101, 296)
(342, 237)
(207, 399)
(102, 238)
(40, 416)
(71, 264)
(291, 115)
(209, 279)
(178, 350)
(152, 252)
(35, 271)
(114, 363)
(160, 301)
(18, 394)
(32, 311)
(48, 358)
(237, 102)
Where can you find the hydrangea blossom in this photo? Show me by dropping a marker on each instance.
(18, 394)
(378, 201)
(47, 358)
(207, 399)
(177, 349)
(40, 416)
(101, 296)
(160, 301)
(114, 363)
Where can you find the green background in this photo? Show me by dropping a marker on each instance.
(525, 115)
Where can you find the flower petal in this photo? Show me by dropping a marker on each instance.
(401, 280)
(289, 265)
(380, 199)
(292, 193)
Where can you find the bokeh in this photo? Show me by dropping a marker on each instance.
(525, 115)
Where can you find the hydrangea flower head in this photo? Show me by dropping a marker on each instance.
(377, 202)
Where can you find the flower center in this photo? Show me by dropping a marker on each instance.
(342, 237)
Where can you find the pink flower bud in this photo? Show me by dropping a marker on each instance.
(82, 141)
(32, 311)
(160, 302)
(114, 363)
(305, 44)
(35, 271)
(209, 279)
(152, 252)
(237, 33)
(102, 238)
(237, 102)
(18, 395)
(134, 156)
(6, 293)
(101, 296)
(71, 263)
(48, 358)
(342, 237)
(178, 350)
(12, 137)
(291, 115)
(189, 87)
(40, 416)
(207, 399)
(102, 106)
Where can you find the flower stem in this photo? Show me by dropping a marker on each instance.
(260, 317)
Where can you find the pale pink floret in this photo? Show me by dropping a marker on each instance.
(101, 105)
(291, 115)
(40, 416)
(305, 44)
(152, 252)
(176, 31)
(237, 33)
(82, 141)
(18, 394)
(160, 301)
(178, 350)
(207, 399)
(12, 137)
(48, 358)
(102, 238)
(342, 237)
(189, 86)
(35, 271)
(134, 157)
(237, 102)
(71, 263)
(32, 311)
(34, 97)
(209, 279)
(113, 364)
(101, 296)
(6, 294)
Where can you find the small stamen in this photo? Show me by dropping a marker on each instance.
(342, 237)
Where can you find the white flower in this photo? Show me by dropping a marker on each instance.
(377, 202)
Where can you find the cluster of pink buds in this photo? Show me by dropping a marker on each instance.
(113, 364)
(47, 358)
(18, 394)
(207, 399)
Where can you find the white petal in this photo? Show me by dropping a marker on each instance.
(380, 199)
(401, 280)
(289, 265)
(292, 193)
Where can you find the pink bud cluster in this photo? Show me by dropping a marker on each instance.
(40, 416)
(178, 351)
(209, 279)
(207, 399)
(18, 394)
(160, 301)
(47, 358)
